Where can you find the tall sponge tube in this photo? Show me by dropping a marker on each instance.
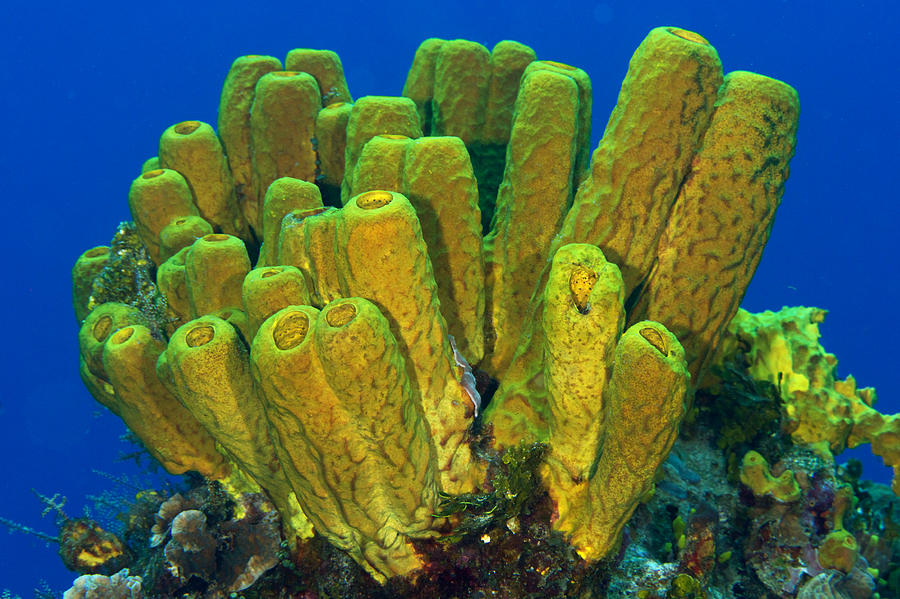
(163, 425)
(336, 378)
(720, 223)
(302, 412)
(208, 368)
(644, 408)
(583, 319)
(390, 470)
(662, 112)
(384, 259)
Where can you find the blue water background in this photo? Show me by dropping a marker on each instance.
(88, 87)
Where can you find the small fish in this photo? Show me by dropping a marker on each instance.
(465, 376)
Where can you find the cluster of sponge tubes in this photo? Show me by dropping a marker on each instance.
(310, 349)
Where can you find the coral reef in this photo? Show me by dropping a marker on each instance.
(756, 474)
(302, 293)
(97, 586)
(85, 546)
(819, 408)
(694, 536)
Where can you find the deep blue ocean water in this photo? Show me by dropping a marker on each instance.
(87, 88)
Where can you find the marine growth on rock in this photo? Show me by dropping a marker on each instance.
(330, 267)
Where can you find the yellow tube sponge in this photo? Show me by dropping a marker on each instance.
(268, 289)
(461, 90)
(390, 470)
(207, 366)
(439, 182)
(181, 232)
(337, 378)
(234, 126)
(644, 407)
(171, 280)
(193, 149)
(380, 164)
(236, 318)
(435, 174)
(307, 241)
(282, 130)
(88, 266)
(331, 145)
(723, 214)
(326, 67)
(301, 410)
(585, 105)
(580, 275)
(156, 198)
(662, 112)
(582, 321)
(384, 259)
(215, 267)
(419, 86)
(462, 75)
(284, 195)
(491, 238)
(371, 116)
(168, 431)
(151, 164)
(98, 326)
(535, 193)
(508, 61)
